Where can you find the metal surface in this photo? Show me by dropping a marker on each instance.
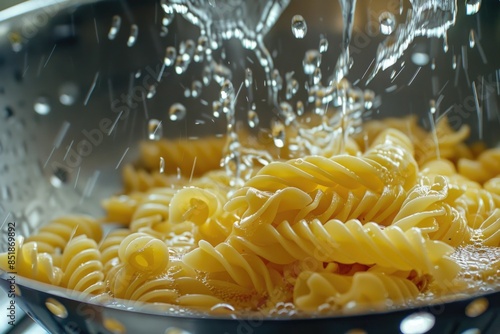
(46, 47)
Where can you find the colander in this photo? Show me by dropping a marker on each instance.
(76, 97)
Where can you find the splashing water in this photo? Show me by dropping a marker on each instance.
(427, 18)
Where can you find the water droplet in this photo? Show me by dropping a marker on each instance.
(134, 32)
(323, 45)
(317, 76)
(299, 26)
(138, 74)
(227, 91)
(472, 6)
(42, 106)
(68, 93)
(278, 133)
(312, 60)
(216, 108)
(206, 75)
(5, 193)
(201, 49)
(170, 54)
(186, 51)
(292, 88)
(151, 91)
(248, 78)
(454, 62)
(115, 27)
(167, 18)
(387, 23)
(167, 8)
(196, 88)
(445, 43)
(286, 112)
(420, 58)
(155, 129)
(276, 80)
(162, 165)
(472, 38)
(177, 112)
(300, 108)
(187, 92)
(253, 119)
(433, 64)
(369, 97)
(432, 106)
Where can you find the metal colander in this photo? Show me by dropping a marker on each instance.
(76, 98)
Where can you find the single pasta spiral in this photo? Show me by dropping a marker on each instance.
(289, 190)
(351, 242)
(54, 236)
(144, 253)
(231, 268)
(315, 289)
(29, 262)
(82, 266)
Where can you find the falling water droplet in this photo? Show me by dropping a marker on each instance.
(155, 129)
(472, 39)
(168, 18)
(454, 62)
(299, 26)
(317, 76)
(216, 108)
(68, 93)
(300, 108)
(206, 75)
(227, 90)
(432, 106)
(248, 78)
(177, 112)
(433, 64)
(170, 54)
(115, 27)
(196, 88)
(369, 97)
(162, 165)
(134, 32)
(472, 6)
(312, 60)
(276, 80)
(323, 45)
(42, 106)
(387, 23)
(286, 112)
(253, 119)
(445, 43)
(151, 91)
(278, 133)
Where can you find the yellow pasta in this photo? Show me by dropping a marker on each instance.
(398, 215)
(82, 266)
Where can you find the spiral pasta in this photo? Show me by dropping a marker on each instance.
(82, 266)
(29, 262)
(54, 236)
(364, 289)
(399, 215)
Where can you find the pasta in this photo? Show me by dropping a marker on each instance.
(397, 217)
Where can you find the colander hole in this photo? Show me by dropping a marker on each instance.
(476, 307)
(114, 326)
(417, 323)
(42, 106)
(56, 308)
(472, 331)
(8, 112)
(175, 330)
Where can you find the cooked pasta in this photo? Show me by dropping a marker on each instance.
(361, 291)
(82, 266)
(28, 261)
(398, 216)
